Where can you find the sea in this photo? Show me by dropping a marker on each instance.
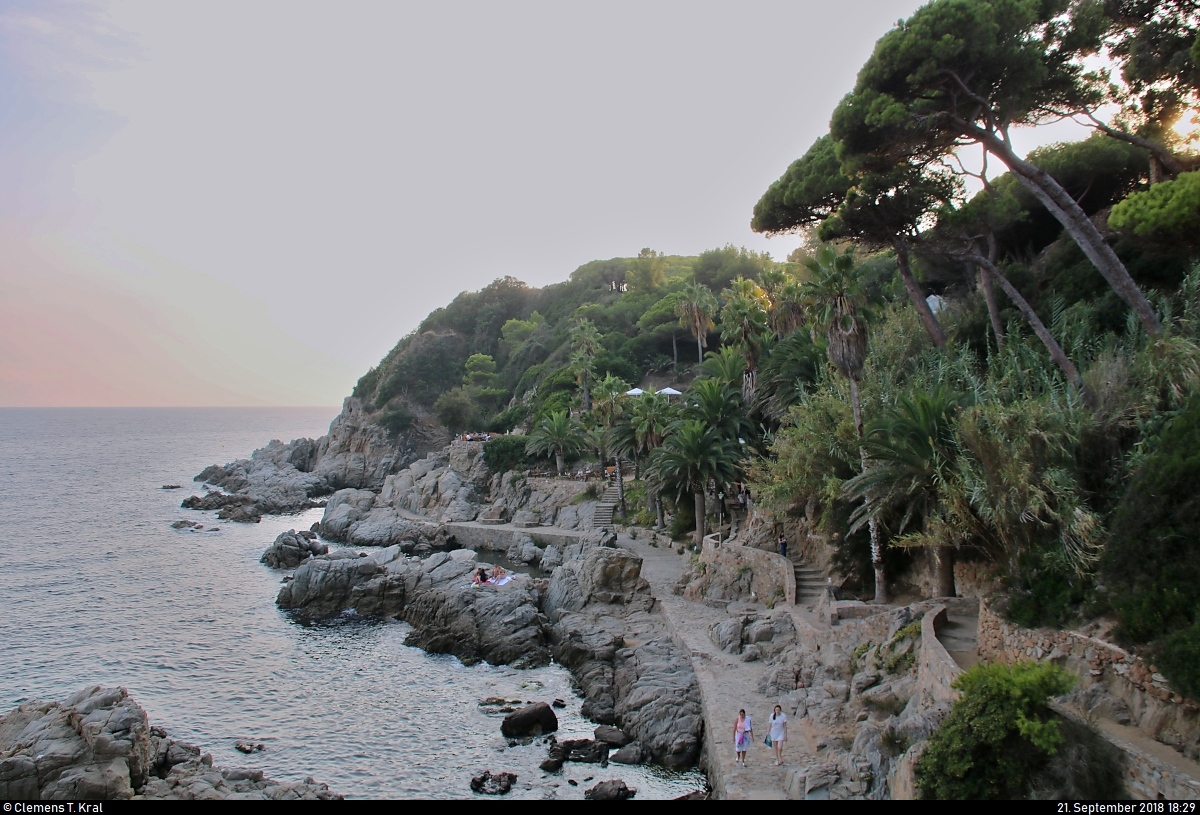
(97, 588)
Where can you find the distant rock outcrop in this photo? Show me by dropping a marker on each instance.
(99, 745)
(282, 478)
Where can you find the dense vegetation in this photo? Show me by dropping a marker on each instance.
(1001, 741)
(1007, 375)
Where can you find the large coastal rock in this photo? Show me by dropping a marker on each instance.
(292, 548)
(445, 486)
(499, 624)
(358, 453)
(606, 630)
(99, 745)
(551, 500)
(282, 478)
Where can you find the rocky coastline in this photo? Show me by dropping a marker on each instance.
(98, 744)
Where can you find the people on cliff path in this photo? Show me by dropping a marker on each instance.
(778, 733)
(743, 732)
(782, 544)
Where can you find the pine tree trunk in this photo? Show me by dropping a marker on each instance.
(1077, 224)
(989, 295)
(698, 494)
(1057, 353)
(928, 318)
(945, 571)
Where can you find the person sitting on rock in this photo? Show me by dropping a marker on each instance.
(498, 572)
(480, 577)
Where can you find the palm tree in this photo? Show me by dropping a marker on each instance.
(839, 309)
(724, 364)
(743, 322)
(696, 308)
(718, 405)
(691, 455)
(586, 341)
(912, 453)
(557, 433)
(609, 391)
(639, 432)
(786, 374)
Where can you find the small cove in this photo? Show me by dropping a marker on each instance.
(101, 590)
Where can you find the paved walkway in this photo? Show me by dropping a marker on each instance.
(726, 684)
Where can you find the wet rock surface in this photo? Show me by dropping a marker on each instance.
(533, 720)
(99, 745)
(489, 783)
(292, 548)
(615, 790)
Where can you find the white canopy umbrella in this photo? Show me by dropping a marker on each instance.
(670, 392)
(635, 392)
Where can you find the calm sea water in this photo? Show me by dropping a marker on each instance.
(96, 588)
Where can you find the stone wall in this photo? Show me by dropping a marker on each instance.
(1147, 777)
(936, 669)
(499, 538)
(771, 574)
(1124, 689)
(1152, 706)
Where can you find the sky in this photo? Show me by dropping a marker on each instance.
(249, 203)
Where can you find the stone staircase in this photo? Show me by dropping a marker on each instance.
(603, 516)
(809, 582)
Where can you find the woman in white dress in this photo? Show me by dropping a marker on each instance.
(778, 733)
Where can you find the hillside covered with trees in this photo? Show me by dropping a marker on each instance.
(995, 366)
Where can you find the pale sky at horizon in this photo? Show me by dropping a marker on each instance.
(249, 203)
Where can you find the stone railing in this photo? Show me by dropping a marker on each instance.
(936, 669)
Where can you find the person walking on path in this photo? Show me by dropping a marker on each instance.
(782, 544)
(743, 732)
(778, 733)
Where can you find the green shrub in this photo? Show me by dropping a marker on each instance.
(1178, 657)
(365, 387)
(396, 421)
(1152, 562)
(504, 453)
(998, 734)
(507, 419)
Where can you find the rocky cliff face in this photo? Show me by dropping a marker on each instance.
(281, 478)
(99, 745)
(358, 453)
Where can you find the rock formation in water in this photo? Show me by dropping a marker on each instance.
(594, 614)
(99, 745)
(292, 548)
(283, 478)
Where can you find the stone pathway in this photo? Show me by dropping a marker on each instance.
(726, 684)
(958, 636)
